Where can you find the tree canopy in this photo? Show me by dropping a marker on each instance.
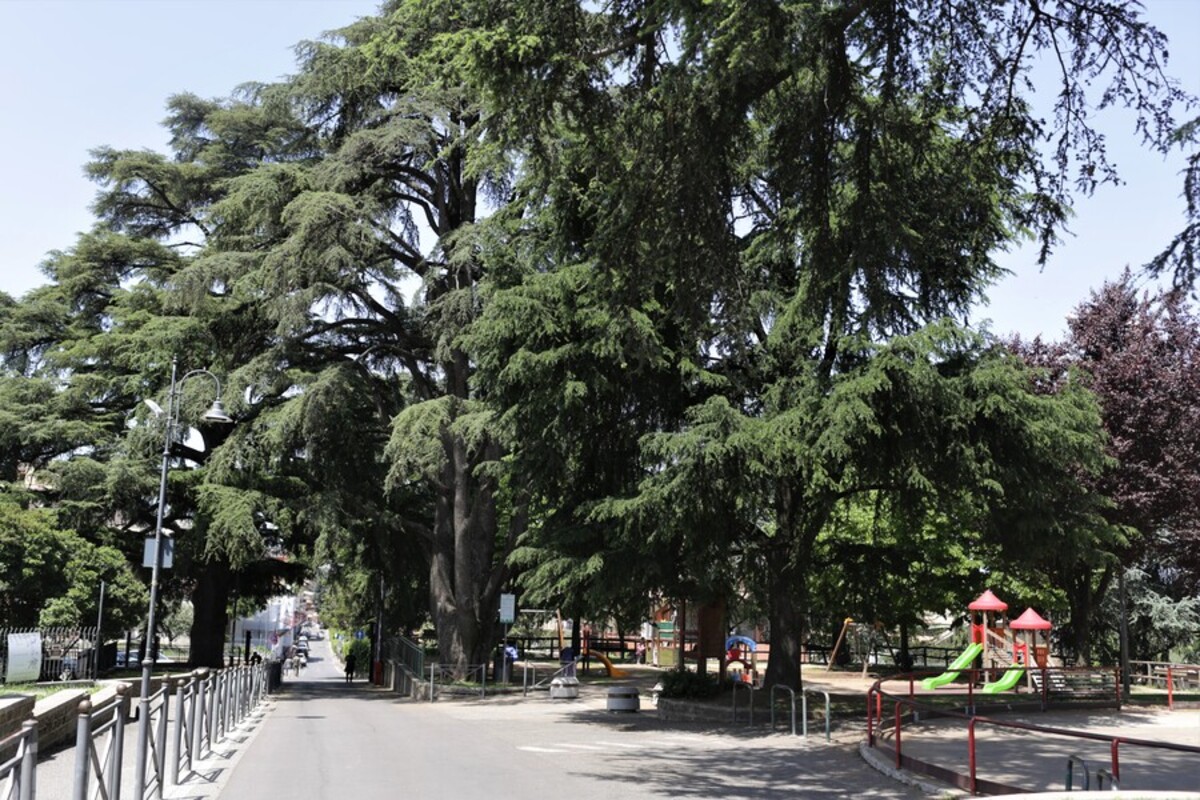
(600, 302)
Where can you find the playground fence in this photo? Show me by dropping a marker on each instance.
(619, 648)
(909, 710)
(1166, 675)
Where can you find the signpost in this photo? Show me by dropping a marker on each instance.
(168, 554)
(508, 614)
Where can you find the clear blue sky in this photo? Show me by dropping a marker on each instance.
(77, 74)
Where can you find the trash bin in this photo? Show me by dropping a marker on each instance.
(564, 688)
(274, 675)
(623, 698)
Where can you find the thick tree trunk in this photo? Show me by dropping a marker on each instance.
(784, 614)
(786, 589)
(465, 576)
(904, 657)
(210, 622)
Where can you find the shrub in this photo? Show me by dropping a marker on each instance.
(685, 684)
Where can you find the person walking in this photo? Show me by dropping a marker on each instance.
(350, 667)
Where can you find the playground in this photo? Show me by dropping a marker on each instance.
(998, 715)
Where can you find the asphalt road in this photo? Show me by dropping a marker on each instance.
(327, 739)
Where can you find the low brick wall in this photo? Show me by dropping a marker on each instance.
(56, 716)
(14, 710)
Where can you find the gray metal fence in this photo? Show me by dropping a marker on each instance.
(189, 716)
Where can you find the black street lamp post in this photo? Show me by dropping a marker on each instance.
(216, 413)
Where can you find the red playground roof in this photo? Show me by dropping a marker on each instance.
(1030, 621)
(988, 602)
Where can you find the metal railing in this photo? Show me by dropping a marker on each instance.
(409, 653)
(99, 746)
(208, 706)
(734, 702)
(792, 693)
(828, 712)
(566, 670)
(877, 723)
(1072, 761)
(150, 767)
(450, 680)
(19, 773)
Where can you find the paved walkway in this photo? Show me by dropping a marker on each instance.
(325, 739)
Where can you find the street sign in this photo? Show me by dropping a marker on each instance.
(508, 608)
(168, 554)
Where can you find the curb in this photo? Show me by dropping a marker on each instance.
(880, 764)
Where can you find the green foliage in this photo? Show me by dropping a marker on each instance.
(629, 299)
(361, 650)
(177, 621)
(688, 685)
(51, 577)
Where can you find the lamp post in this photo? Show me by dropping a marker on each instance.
(216, 413)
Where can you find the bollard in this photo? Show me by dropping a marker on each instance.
(160, 740)
(198, 725)
(83, 733)
(177, 738)
(29, 761)
(121, 718)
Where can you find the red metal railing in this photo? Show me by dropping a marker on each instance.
(972, 782)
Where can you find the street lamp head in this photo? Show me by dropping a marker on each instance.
(216, 413)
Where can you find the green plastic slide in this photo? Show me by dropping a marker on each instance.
(1007, 681)
(960, 663)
